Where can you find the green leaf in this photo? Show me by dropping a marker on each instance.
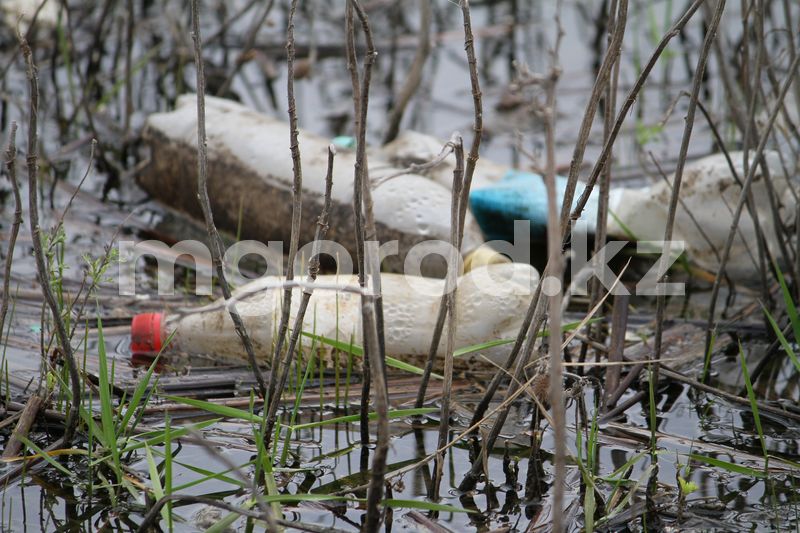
(396, 413)
(424, 505)
(141, 388)
(232, 412)
(358, 351)
(730, 467)
(52, 462)
(753, 402)
(155, 481)
(791, 309)
(785, 343)
(107, 425)
(687, 487)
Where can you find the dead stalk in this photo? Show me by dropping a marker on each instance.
(556, 267)
(414, 76)
(11, 165)
(622, 114)
(469, 170)
(535, 315)
(599, 86)
(297, 205)
(369, 265)
(676, 183)
(42, 270)
(609, 108)
(297, 328)
(759, 153)
(215, 241)
(443, 305)
(358, 213)
(450, 304)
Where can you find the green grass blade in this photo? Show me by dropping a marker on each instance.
(141, 388)
(217, 409)
(730, 467)
(52, 462)
(155, 481)
(424, 505)
(232, 412)
(791, 309)
(500, 342)
(753, 402)
(396, 413)
(358, 351)
(785, 343)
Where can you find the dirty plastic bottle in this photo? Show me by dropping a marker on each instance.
(709, 194)
(490, 304)
(250, 178)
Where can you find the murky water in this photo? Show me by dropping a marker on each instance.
(329, 458)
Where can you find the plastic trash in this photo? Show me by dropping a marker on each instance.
(411, 147)
(250, 179)
(709, 192)
(24, 11)
(490, 304)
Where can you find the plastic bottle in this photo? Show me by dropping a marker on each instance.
(250, 179)
(709, 194)
(490, 304)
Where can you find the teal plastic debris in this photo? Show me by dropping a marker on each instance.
(522, 196)
(709, 193)
(344, 142)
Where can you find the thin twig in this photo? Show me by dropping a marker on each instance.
(11, 165)
(358, 213)
(622, 114)
(676, 187)
(42, 270)
(297, 203)
(469, 170)
(249, 41)
(369, 265)
(443, 305)
(450, 303)
(759, 153)
(215, 241)
(313, 270)
(609, 108)
(556, 267)
(414, 76)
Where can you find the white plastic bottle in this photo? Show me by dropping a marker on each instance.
(490, 304)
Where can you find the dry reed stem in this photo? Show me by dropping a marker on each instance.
(678, 179)
(215, 241)
(555, 262)
(449, 304)
(11, 165)
(469, 171)
(369, 265)
(308, 290)
(617, 14)
(42, 270)
(759, 153)
(297, 204)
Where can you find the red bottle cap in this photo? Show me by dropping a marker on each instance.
(147, 333)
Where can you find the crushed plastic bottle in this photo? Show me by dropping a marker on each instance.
(250, 179)
(490, 304)
(709, 194)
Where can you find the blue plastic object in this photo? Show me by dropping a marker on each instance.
(521, 196)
